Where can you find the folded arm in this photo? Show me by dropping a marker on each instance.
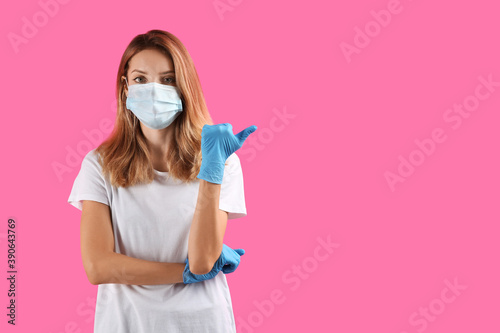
(103, 265)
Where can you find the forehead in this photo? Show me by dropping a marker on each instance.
(151, 61)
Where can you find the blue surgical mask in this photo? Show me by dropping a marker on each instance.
(156, 105)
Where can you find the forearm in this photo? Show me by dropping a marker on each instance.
(207, 229)
(119, 268)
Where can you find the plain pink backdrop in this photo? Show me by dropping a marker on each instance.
(320, 172)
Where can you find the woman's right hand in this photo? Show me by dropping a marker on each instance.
(232, 258)
(227, 262)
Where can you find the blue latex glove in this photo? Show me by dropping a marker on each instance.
(232, 258)
(217, 143)
(228, 261)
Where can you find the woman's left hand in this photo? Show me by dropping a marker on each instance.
(217, 143)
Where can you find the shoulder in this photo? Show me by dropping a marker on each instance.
(92, 155)
(233, 163)
(92, 160)
(233, 159)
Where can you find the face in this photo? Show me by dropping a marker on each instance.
(150, 66)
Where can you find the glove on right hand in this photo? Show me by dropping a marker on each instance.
(227, 262)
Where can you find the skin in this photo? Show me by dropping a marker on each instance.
(152, 64)
(208, 227)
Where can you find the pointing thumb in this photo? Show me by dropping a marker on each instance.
(243, 135)
(240, 251)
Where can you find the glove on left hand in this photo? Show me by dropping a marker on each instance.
(217, 143)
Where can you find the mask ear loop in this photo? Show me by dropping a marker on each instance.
(133, 116)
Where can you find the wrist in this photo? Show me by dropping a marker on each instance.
(212, 172)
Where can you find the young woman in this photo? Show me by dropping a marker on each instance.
(155, 199)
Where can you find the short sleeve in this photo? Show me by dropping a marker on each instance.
(232, 195)
(89, 184)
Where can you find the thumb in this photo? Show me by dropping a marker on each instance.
(240, 251)
(243, 135)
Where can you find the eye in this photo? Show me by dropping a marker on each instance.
(139, 77)
(169, 80)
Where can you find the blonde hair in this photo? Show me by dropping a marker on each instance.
(124, 156)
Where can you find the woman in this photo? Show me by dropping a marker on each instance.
(155, 200)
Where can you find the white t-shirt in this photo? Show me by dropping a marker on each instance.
(152, 222)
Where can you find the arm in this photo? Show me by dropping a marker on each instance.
(103, 265)
(209, 222)
(207, 229)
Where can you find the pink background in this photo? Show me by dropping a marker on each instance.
(320, 173)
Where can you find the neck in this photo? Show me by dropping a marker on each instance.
(158, 143)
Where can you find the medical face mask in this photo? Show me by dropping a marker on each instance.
(156, 105)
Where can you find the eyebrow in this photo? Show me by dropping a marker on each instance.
(137, 70)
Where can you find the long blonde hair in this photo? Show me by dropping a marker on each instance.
(124, 155)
